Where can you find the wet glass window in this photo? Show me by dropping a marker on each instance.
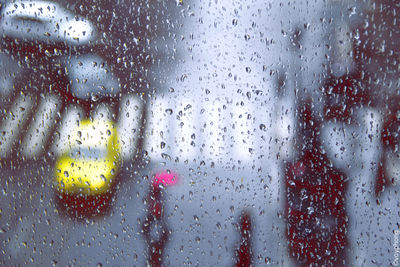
(88, 154)
(205, 133)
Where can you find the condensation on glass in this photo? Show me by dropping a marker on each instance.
(206, 133)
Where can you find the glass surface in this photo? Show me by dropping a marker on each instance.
(252, 133)
(88, 154)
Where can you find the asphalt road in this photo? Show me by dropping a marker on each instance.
(201, 212)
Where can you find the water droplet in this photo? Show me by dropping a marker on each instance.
(94, 98)
(310, 210)
(183, 77)
(232, 208)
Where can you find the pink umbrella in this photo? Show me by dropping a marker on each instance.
(166, 178)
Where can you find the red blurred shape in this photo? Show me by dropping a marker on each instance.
(390, 143)
(83, 206)
(315, 200)
(155, 217)
(244, 253)
(342, 95)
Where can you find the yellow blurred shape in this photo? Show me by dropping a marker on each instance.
(92, 159)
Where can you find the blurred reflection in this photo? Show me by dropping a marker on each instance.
(315, 198)
(82, 206)
(58, 52)
(87, 171)
(78, 58)
(244, 253)
(377, 53)
(389, 166)
(155, 229)
(44, 21)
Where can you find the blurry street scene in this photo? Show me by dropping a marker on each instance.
(206, 133)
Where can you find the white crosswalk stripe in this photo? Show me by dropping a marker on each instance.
(71, 118)
(129, 122)
(284, 127)
(102, 112)
(185, 129)
(213, 121)
(14, 121)
(37, 134)
(244, 131)
(157, 135)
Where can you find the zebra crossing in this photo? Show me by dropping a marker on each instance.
(207, 129)
(32, 142)
(175, 128)
(185, 127)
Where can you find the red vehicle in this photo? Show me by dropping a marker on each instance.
(315, 199)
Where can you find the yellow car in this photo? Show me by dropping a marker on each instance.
(91, 163)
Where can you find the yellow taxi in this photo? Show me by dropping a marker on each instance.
(91, 161)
